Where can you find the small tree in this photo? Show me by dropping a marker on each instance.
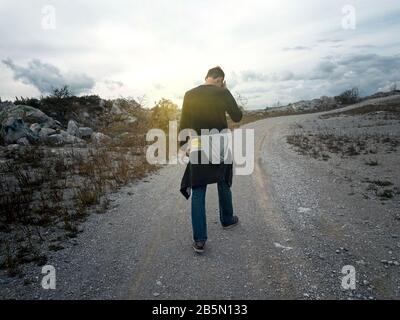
(348, 96)
(163, 112)
(142, 100)
(61, 93)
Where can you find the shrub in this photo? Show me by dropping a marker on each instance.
(32, 102)
(61, 93)
(348, 97)
(163, 112)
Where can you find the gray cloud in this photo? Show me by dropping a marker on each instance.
(254, 76)
(358, 66)
(329, 40)
(158, 86)
(45, 77)
(112, 84)
(364, 46)
(330, 76)
(368, 71)
(323, 70)
(249, 75)
(122, 42)
(296, 48)
(283, 76)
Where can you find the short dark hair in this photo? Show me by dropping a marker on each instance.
(215, 72)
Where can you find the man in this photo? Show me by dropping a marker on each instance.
(205, 107)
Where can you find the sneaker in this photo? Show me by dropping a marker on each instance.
(198, 246)
(235, 223)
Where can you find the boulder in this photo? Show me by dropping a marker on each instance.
(23, 141)
(55, 139)
(69, 138)
(15, 128)
(44, 133)
(73, 128)
(115, 109)
(85, 132)
(59, 139)
(47, 131)
(86, 115)
(29, 114)
(55, 124)
(100, 138)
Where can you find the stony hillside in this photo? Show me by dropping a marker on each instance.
(59, 159)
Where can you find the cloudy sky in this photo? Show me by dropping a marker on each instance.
(283, 50)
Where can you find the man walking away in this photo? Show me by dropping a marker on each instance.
(205, 107)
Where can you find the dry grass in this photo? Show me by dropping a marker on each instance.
(390, 108)
(35, 187)
(318, 145)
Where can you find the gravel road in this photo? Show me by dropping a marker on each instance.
(300, 226)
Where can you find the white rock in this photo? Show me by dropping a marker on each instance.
(115, 109)
(100, 138)
(35, 127)
(63, 138)
(278, 245)
(303, 210)
(130, 120)
(73, 128)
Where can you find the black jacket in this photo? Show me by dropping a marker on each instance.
(205, 107)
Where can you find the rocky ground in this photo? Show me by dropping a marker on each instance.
(55, 173)
(338, 181)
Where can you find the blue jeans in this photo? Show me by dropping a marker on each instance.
(199, 223)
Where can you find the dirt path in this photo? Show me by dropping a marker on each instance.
(297, 231)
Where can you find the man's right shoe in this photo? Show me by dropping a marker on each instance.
(198, 246)
(235, 223)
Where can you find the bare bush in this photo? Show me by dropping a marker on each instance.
(348, 97)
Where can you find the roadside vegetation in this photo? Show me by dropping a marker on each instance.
(47, 190)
